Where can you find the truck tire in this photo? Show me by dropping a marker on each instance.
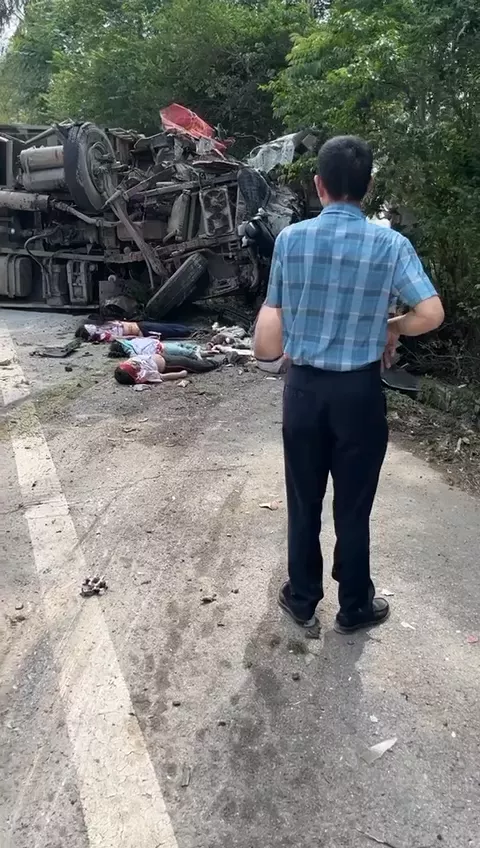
(177, 288)
(87, 152)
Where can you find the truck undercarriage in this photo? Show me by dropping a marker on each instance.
(94, 217)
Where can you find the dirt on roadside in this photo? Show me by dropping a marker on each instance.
(440, 438)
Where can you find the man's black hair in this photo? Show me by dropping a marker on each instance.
(123, 377)
(82, 333)
(116, 350)
(345, 166)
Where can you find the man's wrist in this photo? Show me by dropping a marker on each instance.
(395, 325)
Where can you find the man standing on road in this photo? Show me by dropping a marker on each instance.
(331, 282)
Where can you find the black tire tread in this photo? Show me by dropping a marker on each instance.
(178, 287)
(74, 171)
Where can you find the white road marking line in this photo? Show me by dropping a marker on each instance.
(121, 797)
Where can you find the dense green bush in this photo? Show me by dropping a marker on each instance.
(406, 74)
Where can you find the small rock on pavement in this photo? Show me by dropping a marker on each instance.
(17, 618)
(295, 675)
(68, 367)
(271, 505)
(176, 703)
(19, 606)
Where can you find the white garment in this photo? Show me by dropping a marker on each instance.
(273, 366)
(148, 371)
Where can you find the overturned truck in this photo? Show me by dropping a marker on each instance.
(92, 217)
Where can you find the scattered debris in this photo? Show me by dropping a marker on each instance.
(17, 618)
(407, 626)
(68, 368)
(472, 640)
(295, 675)
(208, 599)
(57, 352)
(186, 776)
(376, 839)
(141, 387)
(370, 755)
(183, 384)
(271, 505)
(93, 586)
(387, 593)
(176, 703)
(374, 719)
(222, 722)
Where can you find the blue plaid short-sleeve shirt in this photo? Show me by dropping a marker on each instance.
(334, 277)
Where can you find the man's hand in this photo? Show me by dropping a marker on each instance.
(391, 346)
(422, 318)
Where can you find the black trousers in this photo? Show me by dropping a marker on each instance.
(333, 422)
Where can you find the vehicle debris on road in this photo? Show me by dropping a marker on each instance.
(93, 586)
(370, 755)
(57, 351)
(186, 776)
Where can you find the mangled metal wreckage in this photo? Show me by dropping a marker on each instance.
(91, 216)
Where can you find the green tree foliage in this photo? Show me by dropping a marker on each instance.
(10, 9)
(405, 74)
(119, 61)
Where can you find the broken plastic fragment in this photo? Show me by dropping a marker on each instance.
(407, 626)
(374, 719)
(271, 505)
(387, 593)
(378, 750)
(472, 640)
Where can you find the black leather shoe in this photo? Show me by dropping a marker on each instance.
(311, 627)
(377, 614)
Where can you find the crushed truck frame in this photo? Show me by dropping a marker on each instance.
(91, 216)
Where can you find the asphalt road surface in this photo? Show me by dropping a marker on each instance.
(181, 710)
